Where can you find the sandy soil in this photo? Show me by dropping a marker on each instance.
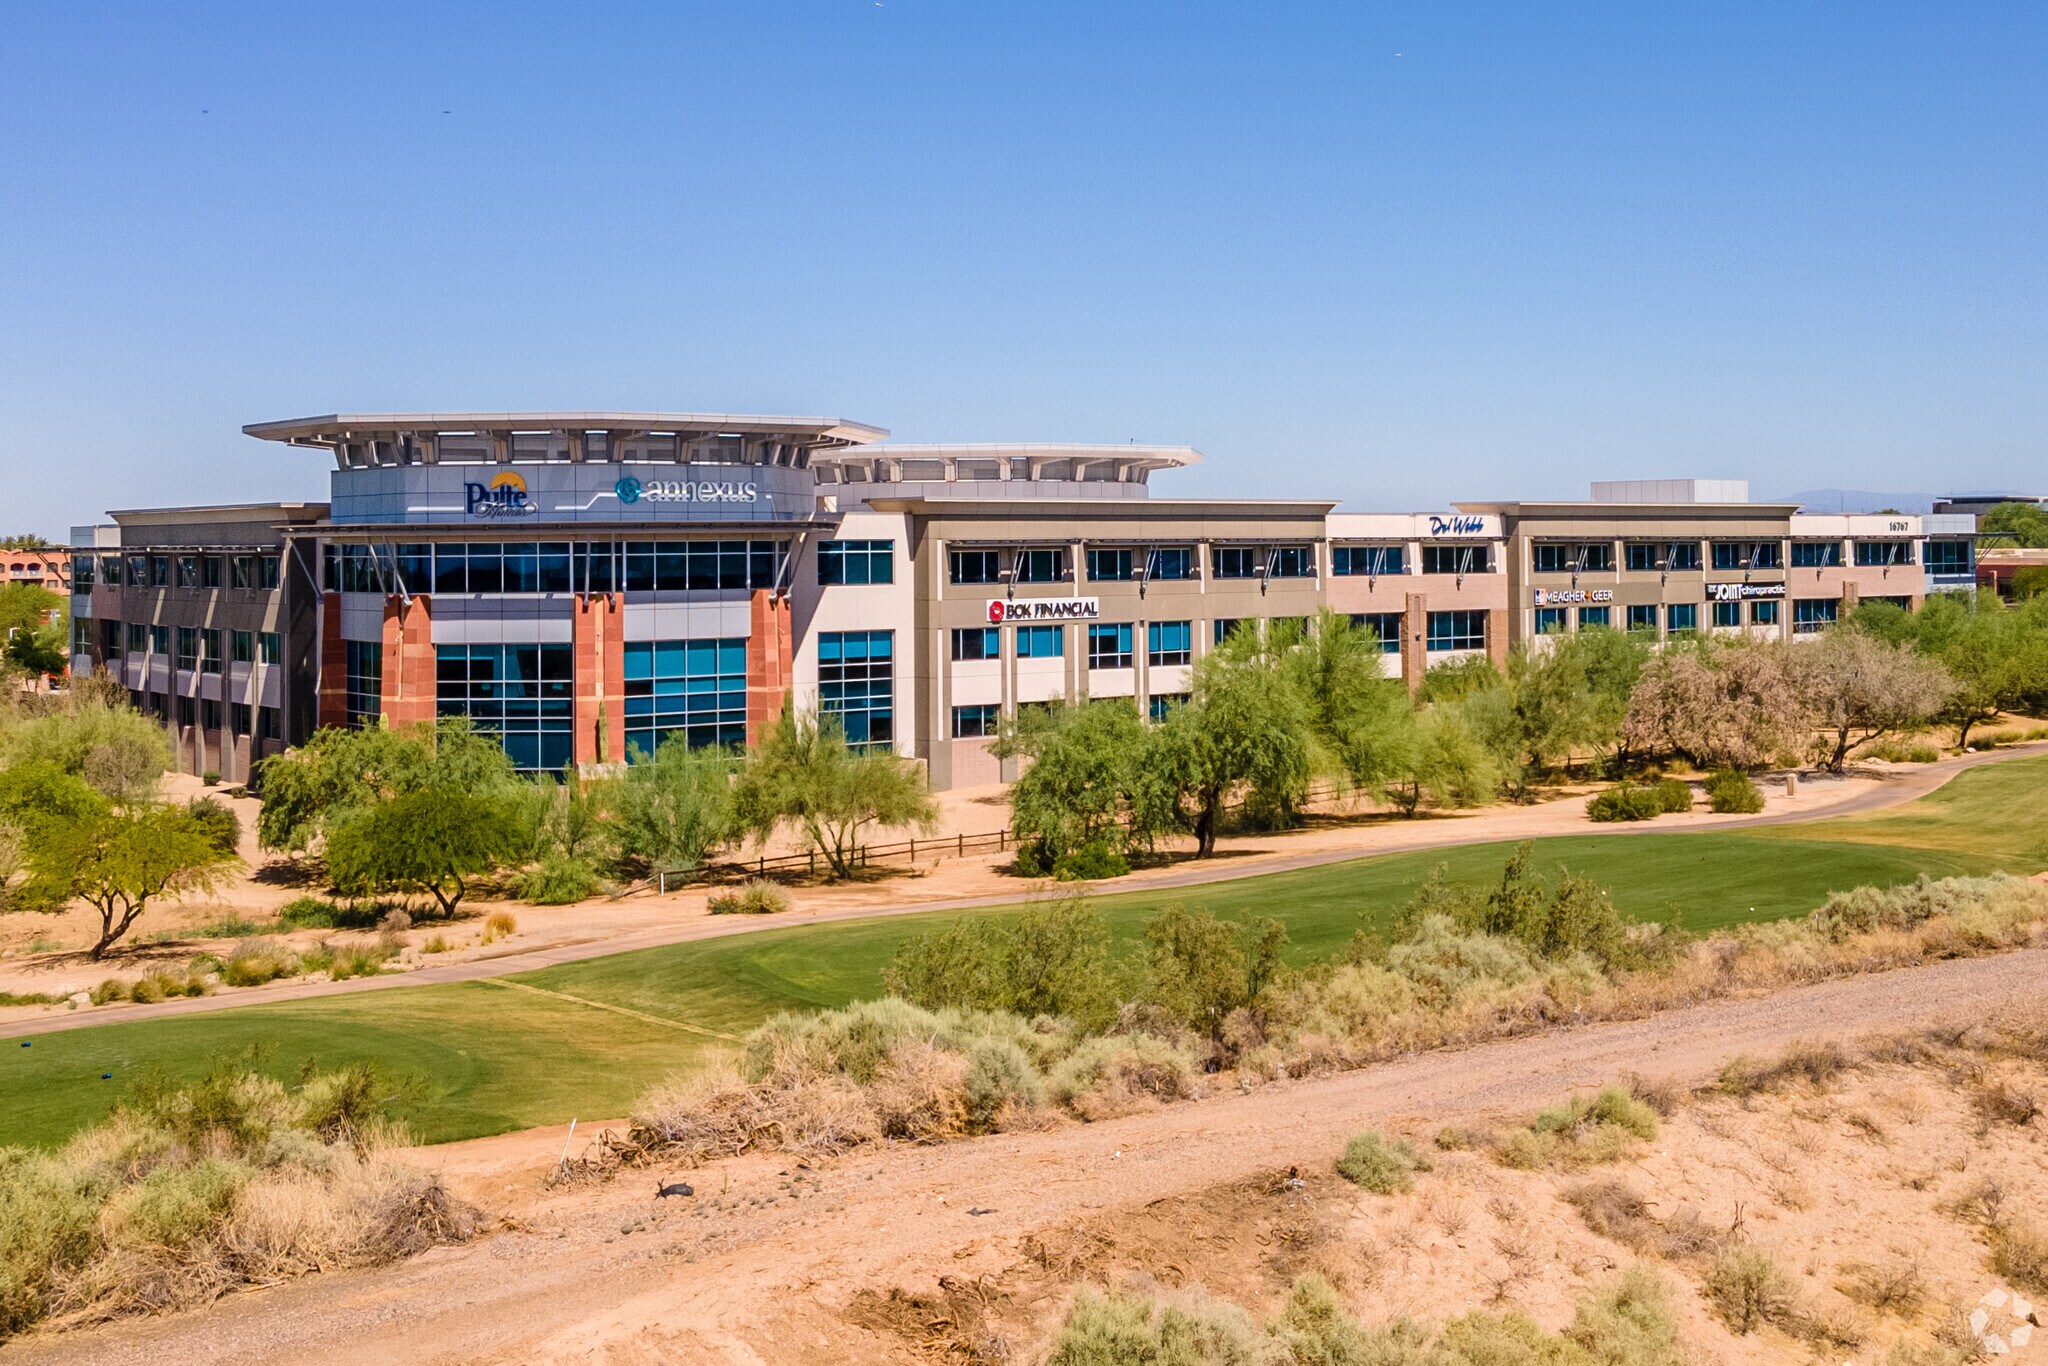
(885, 1255)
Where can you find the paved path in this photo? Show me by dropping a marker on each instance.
(1899, 787)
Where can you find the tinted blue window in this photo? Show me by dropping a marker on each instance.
(693, 688)
(857, 683)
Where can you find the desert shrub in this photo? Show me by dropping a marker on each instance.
(1628, 1321)
(311, 913)
(1550, 920)
(559, 880)
(1381, 1166)
(1673, 794)
(1313, 1328)
(498, 925)
(1093, 860)
(1746, 1289)
(1445, 964)
(1732, 792)
(343, 961)
(1200, 968)
(1625, 802)
(1982, 908)
(1001, 1082)
(1585, 1130)
(254, 963)
(1816, 1065)
(2019, 1252)
(217, 823)
(1114, 1075)
(436, 943)
(1909, 1353)
(187, 1191)
(1895, 1286)
(1053, 959)
(1191, 1328)
(1900, 752)
(161, 986)
(756, 897)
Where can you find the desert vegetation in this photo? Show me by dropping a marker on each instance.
(188, 1191)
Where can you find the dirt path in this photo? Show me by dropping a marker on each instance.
(1492, 825)
(602, 1274)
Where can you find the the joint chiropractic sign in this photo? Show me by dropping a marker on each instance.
(1736, 592)
(1002, 611)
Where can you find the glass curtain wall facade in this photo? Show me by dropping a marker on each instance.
(693, 688)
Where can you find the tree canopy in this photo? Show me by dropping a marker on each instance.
(337, 772)
(804, 773)
(119, 861)
(430, 841)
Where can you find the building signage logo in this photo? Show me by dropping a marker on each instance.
(1546, 597)
(1736, 592)
(504, 496)
(1461, 525)
(631, 491)
(1001, 611)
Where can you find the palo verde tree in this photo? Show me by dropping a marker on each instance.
(674, 807)
(338, 772)
(1361, 721)
(1089, 780)
(431, 842)
(120, 861)
(804, 773)
(1242, 734)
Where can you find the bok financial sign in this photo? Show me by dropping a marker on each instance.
(1002, 612)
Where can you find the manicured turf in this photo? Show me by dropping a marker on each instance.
(495, 1058)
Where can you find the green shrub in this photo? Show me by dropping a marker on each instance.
(1626, 802)
(211, 777)
(559, 881)
(1052, 959)
(311, 913)
(252, 965)
(1381, 1166)
(111, 990)
(1628, 1321)
(1731, 792)
(756, 897)
(344, 961)
(1190, 1330)
(233, 927)
(1584, 1131)
(1000, 1081)
(1746, 1290)
(1673, 794)
(28, 998)
(217, 823)
(1093, 860)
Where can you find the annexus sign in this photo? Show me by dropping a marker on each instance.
(631, 490)
(1002, 611)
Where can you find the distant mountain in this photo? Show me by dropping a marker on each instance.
(1856, 500)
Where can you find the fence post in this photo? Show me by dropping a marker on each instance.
(962, 844)
(661, 880)
(913, 848)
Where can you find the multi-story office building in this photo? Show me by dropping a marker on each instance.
(585, 585)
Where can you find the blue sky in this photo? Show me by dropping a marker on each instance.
(1396, 254)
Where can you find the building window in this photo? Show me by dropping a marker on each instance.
(209, 652)
(1813, 615)
(1456, 559)
(1369, 560)
(1871, 554)
(209, 713)
(188, 647)
(1642, 616)
(1252, 561)
(1949, 558)
(209, 575)
(267, 572)
(672, 566)
(238, 717)
(160, 641)
(188, 571)
(1223, 628)
(1109, 645)
(1385, 626)
(267, 727)
(1109, 566)
(138, 638)
(1161, 703)
(1169, 642)
(1671, 556)
(1041, 642)
(1043, 565)
(188, 710)
(1172, 562)
(1748, 555)
(1681, 616)
(1464, 630)
(1292, 562)
(1816, 554)
(1235, 561)
(519, 693)
(1581, 557)
(1763, 613)
(269, 648)
(857, 683)
(976, 723)
(977, 642)
(1549, 621)
(242, 571)
(1727, 614)
(697, 688)
(159, 571)
(975, 566)
(855, 562)
(82, 571)
(1595, 617)
(243, 644)
(363, 668)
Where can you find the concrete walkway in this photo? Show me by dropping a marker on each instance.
(1898, 788)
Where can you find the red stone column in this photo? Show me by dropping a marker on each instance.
(407, 696)
(1497, 636)
(599, 686)
(332, 706)
(771, 661)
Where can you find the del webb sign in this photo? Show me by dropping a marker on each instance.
(1002, 611)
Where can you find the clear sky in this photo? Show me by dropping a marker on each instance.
(1393, 253)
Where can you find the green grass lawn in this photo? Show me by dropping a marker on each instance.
(493, 1059)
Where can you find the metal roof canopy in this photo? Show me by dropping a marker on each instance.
(338, 432)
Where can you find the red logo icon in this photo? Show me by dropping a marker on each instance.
(995, 613)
